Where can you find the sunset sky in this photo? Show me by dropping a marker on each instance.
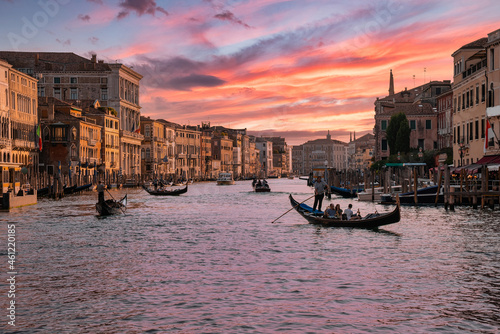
(291, 68)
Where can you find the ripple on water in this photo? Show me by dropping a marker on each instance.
(211, 261)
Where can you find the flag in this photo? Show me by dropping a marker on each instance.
(489, 135)
(138, 130)
(39, 134)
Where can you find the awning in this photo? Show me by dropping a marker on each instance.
(489, 159)
(493, 167)
(493, 111)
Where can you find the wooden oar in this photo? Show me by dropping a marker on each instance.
(292, 208)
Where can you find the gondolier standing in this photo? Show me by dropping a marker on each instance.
(100, 192)
(319, 192)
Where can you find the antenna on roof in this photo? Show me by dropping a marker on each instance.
(414, 81)
(425, 70)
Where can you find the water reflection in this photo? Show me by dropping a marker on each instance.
(211, 261)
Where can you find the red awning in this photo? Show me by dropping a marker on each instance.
(488, 159)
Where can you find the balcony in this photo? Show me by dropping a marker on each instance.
(92, 142)
(474, 68)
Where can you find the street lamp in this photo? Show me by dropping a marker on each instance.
(461, 151)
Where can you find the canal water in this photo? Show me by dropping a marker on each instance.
(211, 261)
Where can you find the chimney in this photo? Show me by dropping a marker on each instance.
(37, 59)
(94, 58)
(51, 108)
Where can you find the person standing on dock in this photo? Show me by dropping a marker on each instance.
(100, 192)
(319, 192)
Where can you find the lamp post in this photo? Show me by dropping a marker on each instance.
(461, 151)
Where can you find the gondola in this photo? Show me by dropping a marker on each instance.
(346, 193)
(165, 191)
(370, 221)
(111, 207)
(82, 187)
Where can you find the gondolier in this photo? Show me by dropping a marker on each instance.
(100, 192)
(319, 192)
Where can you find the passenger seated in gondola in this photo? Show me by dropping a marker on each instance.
(330, 212)
(338, 211)
(348, 212)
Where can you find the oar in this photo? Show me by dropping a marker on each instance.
(114, 200)
(292, 208)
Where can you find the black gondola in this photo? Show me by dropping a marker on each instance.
(261, 186)
(370, 221)
(344, 192)
(111, 207)
(166, 191)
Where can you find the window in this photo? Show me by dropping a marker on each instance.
(477, 94)
(413, 125)
(471, 132)
(383, 125)
(492, 59)
(73, 80)
(459, 102)
(104, 94)
(384, 144)
(477, 130)
(482, 128)
(41, 91)
(483, 92)
(421, 143)
(428, 124)
(57, 93)
(463, 100)
(74, 93)
(57, 80)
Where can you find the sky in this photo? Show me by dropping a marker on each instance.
(295, 69)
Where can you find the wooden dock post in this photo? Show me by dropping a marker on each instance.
(415, 185)
(446, 189)
(452, 199)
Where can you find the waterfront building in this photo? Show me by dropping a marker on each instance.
(254, 161)
(265, 148)
(222, 152)
(157, 151)
(282, 156)
(360, 151)
(445, 119)
(187, 152)
(71, 144)
(493, 108)
(107, 119)
(469, 102)
(69, 77)
(5, 133)
(206, 152)
(298, 160)
(419, 106)
(321, 153)
(20, 127)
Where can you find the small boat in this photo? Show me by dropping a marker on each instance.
(370, 221)
(111, 207)
(225, 179)
(42, 192)
(261, 186)
(344, 192)
(83, 187)
(164, 191)
(425, 195)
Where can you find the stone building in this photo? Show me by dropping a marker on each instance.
(107, 119)
(158, 147)
(445, 119)
(187, 152)
(265, 148)
(419, 106)
(321, 153)
(71, 143)
(69, 77)
(360, 151)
